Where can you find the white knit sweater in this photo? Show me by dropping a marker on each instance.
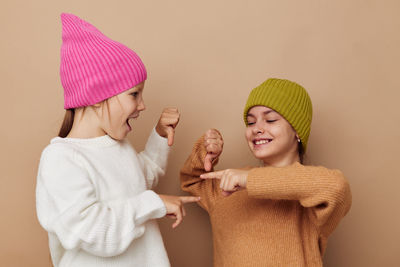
(93, 199)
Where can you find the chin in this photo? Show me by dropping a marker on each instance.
(260, 155)
(265, 155)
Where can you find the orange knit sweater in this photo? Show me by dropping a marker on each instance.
(283, 218)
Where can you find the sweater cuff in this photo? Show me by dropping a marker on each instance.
(150, 206)
(157, 149)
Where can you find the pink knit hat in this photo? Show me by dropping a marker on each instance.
(94, 67)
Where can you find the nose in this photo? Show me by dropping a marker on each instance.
(258, 129)
(141, 106)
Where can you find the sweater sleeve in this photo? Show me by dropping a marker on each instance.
(67, 205)
(153, 159)
(323, 192)
(191, 182)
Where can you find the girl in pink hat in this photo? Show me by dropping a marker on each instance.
(93, 193)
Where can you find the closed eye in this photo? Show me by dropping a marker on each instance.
(270, 121)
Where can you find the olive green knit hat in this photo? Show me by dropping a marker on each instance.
(288, 99)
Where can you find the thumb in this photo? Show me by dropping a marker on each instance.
(170, 135)
(208, 162)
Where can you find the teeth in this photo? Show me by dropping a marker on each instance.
(259, 142)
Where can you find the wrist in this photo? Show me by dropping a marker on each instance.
(160, 131)
(244, 180)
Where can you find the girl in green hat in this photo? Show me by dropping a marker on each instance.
(280, 214)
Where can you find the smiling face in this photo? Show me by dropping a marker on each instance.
(270, 137)
(118, 110)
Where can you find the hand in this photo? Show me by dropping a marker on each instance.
(214, 144)
(232, 180)
(174, 206)
(166, 124)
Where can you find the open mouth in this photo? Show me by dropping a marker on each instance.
(135, 116)
(261, 141)
(132, 117)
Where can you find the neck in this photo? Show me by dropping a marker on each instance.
(282, 161)
(86, 124)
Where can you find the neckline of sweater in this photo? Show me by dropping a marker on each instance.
(100, 141)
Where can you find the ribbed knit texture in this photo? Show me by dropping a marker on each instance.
(94, 67)
(287, 98)
(283, 218)
(94, 198)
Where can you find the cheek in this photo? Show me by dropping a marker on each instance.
(116, 118)
(276, 130)
(247, 134)
(287, 133)
(280, 129)
(128, 106)
(131, 107)
(104, 118)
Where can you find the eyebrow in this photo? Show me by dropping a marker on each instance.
(264, 113)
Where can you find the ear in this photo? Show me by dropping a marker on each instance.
(298, 138)
(101, 105)
(97, 105)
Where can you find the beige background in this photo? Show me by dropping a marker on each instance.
(204, 57)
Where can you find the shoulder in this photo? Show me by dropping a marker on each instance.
(58, 150)
(318, 169)
(58, 156)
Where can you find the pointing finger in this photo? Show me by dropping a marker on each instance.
(212, 175)
(189, 199)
